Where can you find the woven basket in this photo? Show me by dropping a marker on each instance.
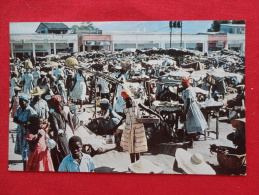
(231, 162)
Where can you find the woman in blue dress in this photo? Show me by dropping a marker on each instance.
(22, 117)
(194, 121)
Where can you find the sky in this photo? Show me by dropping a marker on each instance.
(148, 26)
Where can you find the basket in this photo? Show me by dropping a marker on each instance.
(231, 161)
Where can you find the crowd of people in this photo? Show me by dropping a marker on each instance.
(44, 103)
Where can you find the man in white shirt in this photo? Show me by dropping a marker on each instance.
(105, 90)
(76, 161)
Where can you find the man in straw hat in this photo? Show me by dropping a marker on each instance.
(38, 104)
(192, 163)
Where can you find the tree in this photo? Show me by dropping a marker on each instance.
(238, 21)
(215, 26)
(83, 26)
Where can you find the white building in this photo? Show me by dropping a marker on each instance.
(147, 40)
(42, 44)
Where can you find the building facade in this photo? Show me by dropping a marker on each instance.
(42, 44)
(232, 37)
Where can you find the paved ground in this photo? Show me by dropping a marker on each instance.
(115, 161)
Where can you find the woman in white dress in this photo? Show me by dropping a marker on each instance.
(194, 121)
(79, 89)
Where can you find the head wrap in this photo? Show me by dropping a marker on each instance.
(55, 102)
(185, 79)
(24, 97)
(126, 93)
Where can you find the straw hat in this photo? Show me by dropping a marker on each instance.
(193, 163)
(37, 91)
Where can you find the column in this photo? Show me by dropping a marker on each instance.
(49, 52)
(54, 48)
(12, 56)
(33, 51)
(75, 47)
(83, 45)
(205, 46)
(113, 47)
(184, 45)
(225, 45)
(136, 45)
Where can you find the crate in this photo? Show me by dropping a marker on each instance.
(148, 120)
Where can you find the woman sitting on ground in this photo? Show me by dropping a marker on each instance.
(108, 120)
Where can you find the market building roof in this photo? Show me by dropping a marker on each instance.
(46, 27)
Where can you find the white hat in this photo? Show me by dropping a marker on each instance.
(104, 101)
(193, 163)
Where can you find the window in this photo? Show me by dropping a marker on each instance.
(18, 46)
(39, 46)
(230, 30)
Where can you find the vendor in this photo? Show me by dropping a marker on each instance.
(134, 138)
(238, 100)
(108, 120)
(194, 121)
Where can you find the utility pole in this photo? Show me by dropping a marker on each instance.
(170, 26)
(181, 34)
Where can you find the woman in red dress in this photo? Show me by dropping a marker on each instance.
(39, 158)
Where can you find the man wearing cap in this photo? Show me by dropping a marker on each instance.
(40, 105)
(27, 79)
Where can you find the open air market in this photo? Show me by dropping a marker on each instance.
(149, 102)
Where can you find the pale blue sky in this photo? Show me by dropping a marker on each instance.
(188, 26)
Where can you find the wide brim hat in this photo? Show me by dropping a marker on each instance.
(17, 89)
(43, 73)
(37, 91)
(193, 163)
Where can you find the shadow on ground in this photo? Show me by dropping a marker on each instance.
(106, 170)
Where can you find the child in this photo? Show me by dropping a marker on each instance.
(76, 161)
(39, 158)
(15, 101)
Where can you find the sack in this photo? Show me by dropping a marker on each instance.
(211, 80)
(50, 143)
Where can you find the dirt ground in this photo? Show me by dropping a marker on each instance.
(164, 154)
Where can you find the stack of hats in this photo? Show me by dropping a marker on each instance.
(72, 63)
